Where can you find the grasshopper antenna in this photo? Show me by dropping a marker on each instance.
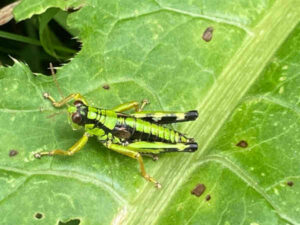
(55, 80)
(58, 88)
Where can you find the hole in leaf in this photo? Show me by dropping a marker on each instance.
(13, 153)
(207, 197)
(290, 183)
(39, 216)
(26, 42)
(198, 190)
(242, 144)
(207, 35)
(70, 222)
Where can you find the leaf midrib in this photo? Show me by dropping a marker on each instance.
(231, 85)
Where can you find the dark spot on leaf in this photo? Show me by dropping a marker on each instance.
(198, 190)
(207, 35)
(13, 153)
(106, 87)
(290, 183)
(38, 216)
(70, 222)
(242, 144)
(207, 197)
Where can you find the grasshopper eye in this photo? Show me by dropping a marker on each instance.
(76, 117)
(78, 103)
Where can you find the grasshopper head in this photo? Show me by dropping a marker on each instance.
(77, 114)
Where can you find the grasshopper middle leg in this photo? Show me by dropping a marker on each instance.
(131, 105)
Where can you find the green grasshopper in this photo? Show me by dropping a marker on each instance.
(133, 135)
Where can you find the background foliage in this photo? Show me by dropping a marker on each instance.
(244, 82)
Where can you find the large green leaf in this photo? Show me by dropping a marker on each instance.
(244, 82)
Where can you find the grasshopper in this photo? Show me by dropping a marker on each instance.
(134, 134)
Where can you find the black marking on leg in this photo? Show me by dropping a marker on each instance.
(171, 118)
(191, 115)
(191, 147)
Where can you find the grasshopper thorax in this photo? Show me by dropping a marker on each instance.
(78, 113)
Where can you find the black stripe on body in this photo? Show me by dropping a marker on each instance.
(146, 137)
(96, 122)
(151, 136)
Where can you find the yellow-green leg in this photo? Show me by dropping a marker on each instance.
(135, 155)
(75, 96)
(131, 105)
(75, 148)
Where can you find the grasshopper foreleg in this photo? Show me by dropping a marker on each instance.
(75, 96)
(75, 148)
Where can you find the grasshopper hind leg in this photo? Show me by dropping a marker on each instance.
(166, 117)
(125, 150)
(145, 147)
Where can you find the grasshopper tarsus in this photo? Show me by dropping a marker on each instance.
(46, 95)
(145, 101)
(143, 104)
(158, 185)
(37, 155)
(155, 157)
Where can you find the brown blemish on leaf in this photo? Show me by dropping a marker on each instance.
(13, 153)
(290, 183)
(242, 144)
(207, 197)
(207, 35)
(106, 87)
(198, 190)
(38, 216)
